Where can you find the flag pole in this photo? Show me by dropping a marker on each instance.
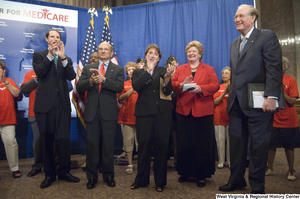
(106, 36)
(107, 10)
(88, 48)
(93, 12)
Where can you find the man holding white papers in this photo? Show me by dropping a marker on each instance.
(255, 57)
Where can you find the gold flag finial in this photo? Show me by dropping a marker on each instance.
(107, 10)
(93, 12)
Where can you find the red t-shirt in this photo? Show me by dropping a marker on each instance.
(220, 115)
(126, 112)
(287, 118)
(7, 104)
(29, 76)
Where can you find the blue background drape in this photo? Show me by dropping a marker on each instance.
(169, 24)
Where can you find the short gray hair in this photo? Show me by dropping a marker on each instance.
(252, 10)
(286, 63)
(227, 67)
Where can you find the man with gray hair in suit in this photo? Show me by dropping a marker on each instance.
(255, 57)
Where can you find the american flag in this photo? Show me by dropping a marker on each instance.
(106, 36)
(88, 48)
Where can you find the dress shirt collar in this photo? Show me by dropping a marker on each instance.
(105, 65)
(248, 34)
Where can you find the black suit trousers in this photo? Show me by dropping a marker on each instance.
(54, 126)
(100, 140)
(258, 129)
(153, 131)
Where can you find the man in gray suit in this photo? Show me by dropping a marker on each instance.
(256, 60)
(102, 81)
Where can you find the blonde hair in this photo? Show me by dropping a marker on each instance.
(130, 64)
(196, 44)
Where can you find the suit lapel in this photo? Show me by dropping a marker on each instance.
(187, 70)
(237, 48)
(249, 43)
(59, 66)
(110, 69)
(45, 52)
(199, 72)
(155, 75)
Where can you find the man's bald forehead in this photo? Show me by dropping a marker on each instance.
(107, 44)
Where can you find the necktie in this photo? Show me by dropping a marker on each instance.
(55, 60)
(102, 71)
(243, 43)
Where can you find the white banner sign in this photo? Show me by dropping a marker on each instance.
(38, 14)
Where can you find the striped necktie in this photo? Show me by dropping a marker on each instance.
(55, 60)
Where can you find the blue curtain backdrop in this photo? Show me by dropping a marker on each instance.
(169, 24)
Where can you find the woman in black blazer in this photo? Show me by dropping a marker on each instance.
(153, 113)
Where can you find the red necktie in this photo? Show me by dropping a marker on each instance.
(102, 71)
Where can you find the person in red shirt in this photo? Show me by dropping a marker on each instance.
(285, 131)
(127, 99)
(221, 118)
(8, 120)
(28, 87)
(195, 120)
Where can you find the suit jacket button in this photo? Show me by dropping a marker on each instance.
(153, 91)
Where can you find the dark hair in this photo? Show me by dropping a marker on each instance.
(2, 64)
(47, 33)
(157, 50)
(155, 47)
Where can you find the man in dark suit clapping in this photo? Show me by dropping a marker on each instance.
(102, 81)
(52, 107)
(255, 57)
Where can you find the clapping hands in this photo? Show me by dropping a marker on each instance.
(170, 71)
(96, 77)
